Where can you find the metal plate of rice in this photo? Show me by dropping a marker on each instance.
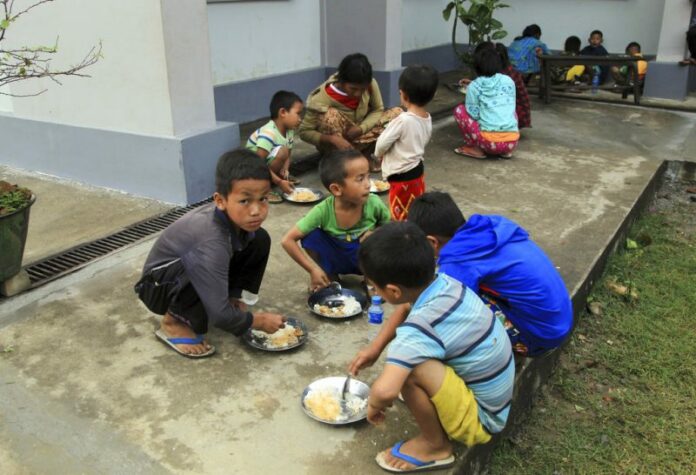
(279, 341)
(379, 186)
(321, 401)
(354, 302)
(304, 196)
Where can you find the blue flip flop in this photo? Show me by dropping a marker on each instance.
(419, 465)
(172, 342)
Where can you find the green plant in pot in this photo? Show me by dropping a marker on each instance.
(15, 203)
(478, 18)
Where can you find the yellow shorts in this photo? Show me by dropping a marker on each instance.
(458, 411)
(574, 72)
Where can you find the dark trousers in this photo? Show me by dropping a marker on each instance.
(246, 273)
(691, 41)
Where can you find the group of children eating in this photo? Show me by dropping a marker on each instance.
(468, 293)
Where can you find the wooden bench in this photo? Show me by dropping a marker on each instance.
(549, 60)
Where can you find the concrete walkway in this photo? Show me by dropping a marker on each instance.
(67, 213)
(86, 388)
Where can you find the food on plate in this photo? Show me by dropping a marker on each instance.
(326, 405)
(286, 336)
(378, 186)
(349, 308)
(302, 195)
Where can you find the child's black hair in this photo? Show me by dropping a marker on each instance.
(332, 167)
(283, 100)
(597, 32)
(483, 45)
(572, 44)
(236, 165)
(503, 53)
(487, 62)
(419, 83)
(398, 253)
(633, 44)
(533, 31)
(436, 214)
(355, 68)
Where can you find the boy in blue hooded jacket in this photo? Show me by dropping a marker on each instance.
(495, 258)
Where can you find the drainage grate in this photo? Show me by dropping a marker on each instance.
(55, 266)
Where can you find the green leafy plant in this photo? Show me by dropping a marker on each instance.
(12, 198)
(478, 19)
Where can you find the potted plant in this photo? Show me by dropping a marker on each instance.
(479, 21)
(15, 203)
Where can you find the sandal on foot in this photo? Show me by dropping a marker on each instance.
(419, 465)
(506, 156)
(172, 342)
(465, 152)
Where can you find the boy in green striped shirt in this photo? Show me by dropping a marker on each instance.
(274, 140)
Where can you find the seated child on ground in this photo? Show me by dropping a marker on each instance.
(402, 144)
(450, 359)
(622, 75)
(595, 48)
(525, 50)
(523, 108)
(495, 258)
(273, 141)
(487, 118)
(568, 73)
(208, 266)
(332, 231)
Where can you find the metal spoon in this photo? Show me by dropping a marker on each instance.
(344, 406)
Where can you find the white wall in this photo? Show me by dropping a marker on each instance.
(128, 88)
(256, 39)
(6, 101)
(422, 25)
(621, 21)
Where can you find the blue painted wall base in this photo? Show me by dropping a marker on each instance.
(178, 170)
(667, 80)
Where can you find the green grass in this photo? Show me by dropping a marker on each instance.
(623, 398)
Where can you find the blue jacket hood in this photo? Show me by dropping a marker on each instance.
(480, 236)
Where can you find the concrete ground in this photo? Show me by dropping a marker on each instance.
(86, 387)
(67, 213)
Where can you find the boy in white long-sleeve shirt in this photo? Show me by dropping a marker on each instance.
(402, 144)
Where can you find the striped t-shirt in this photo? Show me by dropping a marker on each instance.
(269, 137)
(450, 323)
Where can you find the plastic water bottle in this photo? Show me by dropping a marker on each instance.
(595, 81)
(375, 314)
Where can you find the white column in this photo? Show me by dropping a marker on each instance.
(187, 56)
(675, 22)
(377, 34)
(155, 75)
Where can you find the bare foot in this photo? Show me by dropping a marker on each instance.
(420, 449)
(467, 151)
(173, 328)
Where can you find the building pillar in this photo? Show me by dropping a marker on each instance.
(371, 27)
(143, 122)
(666, 78)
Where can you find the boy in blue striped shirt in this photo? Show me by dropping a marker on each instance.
(450, 359)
